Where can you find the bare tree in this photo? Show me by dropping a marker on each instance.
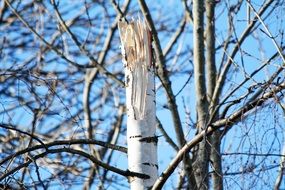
(72, 115)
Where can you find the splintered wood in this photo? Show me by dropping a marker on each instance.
(140, 103)
(136, 51)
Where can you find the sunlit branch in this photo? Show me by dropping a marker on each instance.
(175, 37)
(244, 35)
(268, 33)
(226, 123)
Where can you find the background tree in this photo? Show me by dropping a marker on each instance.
(219, 83)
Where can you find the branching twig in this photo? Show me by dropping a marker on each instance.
(268, 33)
(227, 123)
(64, 142)
(102, 69)
(245, 34)
(125, 173)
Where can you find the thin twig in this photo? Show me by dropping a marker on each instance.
(245, 34)
(65, 142)
(9, 127)
(102, 69)
(175, 37)
(125, 173)
(226, 122)
(166, 136)
(268, 33)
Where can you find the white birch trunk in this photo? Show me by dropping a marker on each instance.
(140, 100)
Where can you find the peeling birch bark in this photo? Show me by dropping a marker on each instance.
(140, 102)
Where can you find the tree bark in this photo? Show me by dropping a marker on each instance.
(201, 156)
(215, 139)
(140, 99)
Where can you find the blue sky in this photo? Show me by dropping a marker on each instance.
(261, 130)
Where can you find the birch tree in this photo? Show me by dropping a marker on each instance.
(198, 102)
(140, 100)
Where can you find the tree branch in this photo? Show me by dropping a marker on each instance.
(102, 69)
(64, 142)
(125, 173)
(245, 34)
(226, 123)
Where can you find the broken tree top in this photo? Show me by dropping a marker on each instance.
(135, 43)
(137, 59)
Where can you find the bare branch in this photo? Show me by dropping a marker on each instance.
(246, 32)
(227, 123)
(125, 173)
